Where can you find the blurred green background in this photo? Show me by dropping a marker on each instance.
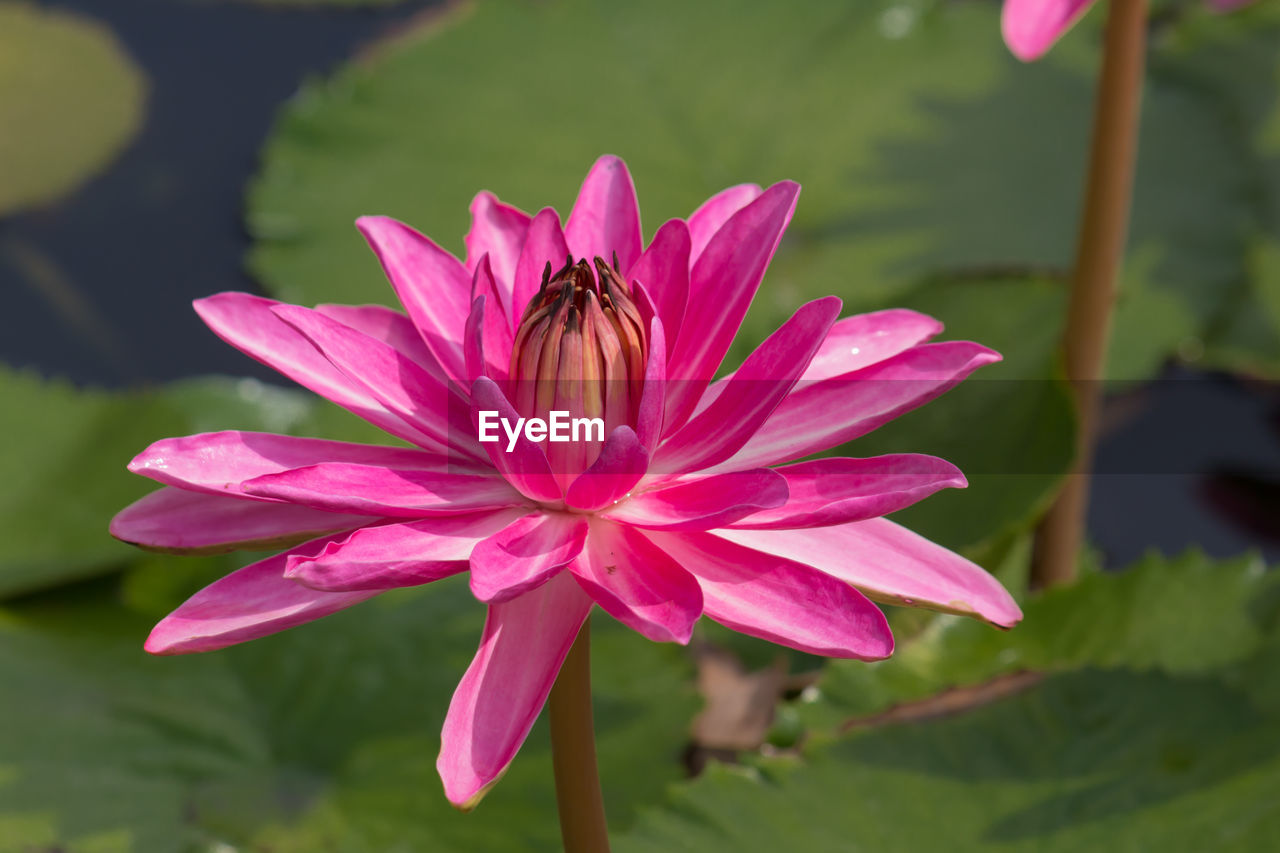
(155, 151)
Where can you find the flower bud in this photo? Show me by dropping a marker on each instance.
(580, 348)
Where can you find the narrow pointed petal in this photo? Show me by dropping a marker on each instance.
(653, 397)
(715, 212)
(705, 502)
(250, 325)
(780, 600)
(473, 341)
(397, 555)
(497, 335)
(391, 327)
(247, 604)
(390, 377)
(854, 343)
(823, 414)
(724, 280)
(524, 643)
(1030, 27)
(544, 244)
(824, 492)
(865, 339)
(606, 217)
(182, 522)
(526, 466)
(891, 564)
(220, 462)
(381, 491)
(497, 230)
(663, 270)
(638, 584)
(645, 306)
(432, 284)
(620, 465)
(525, 554)
(751, 395)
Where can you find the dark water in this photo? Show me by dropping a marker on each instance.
(124, 256)
(1190, 460)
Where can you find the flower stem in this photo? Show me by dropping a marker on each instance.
(573, 752)
(1100, 247)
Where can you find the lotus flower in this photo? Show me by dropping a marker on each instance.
(675, 514)
(1031, 27)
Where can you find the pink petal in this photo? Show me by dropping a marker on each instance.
(605, 218)
(856, 342)
(1030, 27)
(645, 306)
(391, 327)
(180, 521)
(473, 348)
(384, 491)
(396, 555)
(525, 554)
(247, 604)
(390, 377)
(653, 397)
(524, 643)
(751, 395)
(432, 285)
(891, 564)
(715, 212)
(219, 462)
(703, 503)
(865, 339)
(620, 465)
(779, 600)
(526, 466)
(544, 244)
(497, 324)
(663, 270)
(638, 584)
(497, 230)
(836, 491)
(724, 280)
(250, 325)
(815, 416)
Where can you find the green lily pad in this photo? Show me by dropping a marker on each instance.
(1085, 760)
(1154, 729)
(70, 100)
(62, 466)
(924, 148)
(322, 738)
(64, 452)
(1183, 616)
(1234, 58)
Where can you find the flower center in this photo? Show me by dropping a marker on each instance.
(580, 348)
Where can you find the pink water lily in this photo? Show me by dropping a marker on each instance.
(1031, 27)
(684, 509)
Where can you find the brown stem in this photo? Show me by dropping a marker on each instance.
(953, 700)
(1103, 225)
(573, 752)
